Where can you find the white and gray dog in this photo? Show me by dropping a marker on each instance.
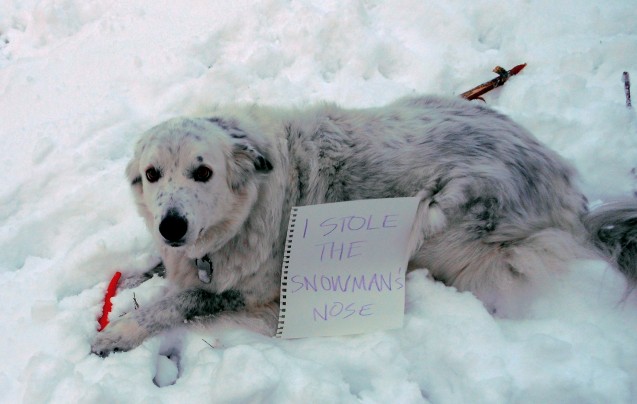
(499, 211)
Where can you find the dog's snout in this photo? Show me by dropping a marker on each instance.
(173, 227)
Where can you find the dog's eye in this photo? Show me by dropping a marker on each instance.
(202, 174)
(152, 174)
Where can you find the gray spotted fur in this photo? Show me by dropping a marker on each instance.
(500, 212)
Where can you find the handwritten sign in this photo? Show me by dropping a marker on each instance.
(344, 267)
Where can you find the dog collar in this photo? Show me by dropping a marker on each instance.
(204, 269)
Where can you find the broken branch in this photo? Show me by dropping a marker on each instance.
(476, 93)
(626, 80)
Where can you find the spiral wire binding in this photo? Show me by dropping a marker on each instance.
(285, 270)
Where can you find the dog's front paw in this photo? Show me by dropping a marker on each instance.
(121, 335)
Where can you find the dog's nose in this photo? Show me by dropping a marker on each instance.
(173, 227)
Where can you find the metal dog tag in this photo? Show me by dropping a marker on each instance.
(204, 269)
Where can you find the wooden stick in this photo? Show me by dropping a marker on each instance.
(626, 80)
(503, 75)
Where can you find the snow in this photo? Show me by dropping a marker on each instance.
(79, 80)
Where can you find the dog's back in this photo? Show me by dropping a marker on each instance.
(500, 211)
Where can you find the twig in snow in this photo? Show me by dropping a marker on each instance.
(476, 93)
(626, 80)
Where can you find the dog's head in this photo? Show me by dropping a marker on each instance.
(195, 180)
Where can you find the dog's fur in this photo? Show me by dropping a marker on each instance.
(499, 211)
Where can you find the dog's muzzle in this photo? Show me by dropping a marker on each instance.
(173, 228)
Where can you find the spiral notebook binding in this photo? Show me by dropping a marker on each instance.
(285, 270)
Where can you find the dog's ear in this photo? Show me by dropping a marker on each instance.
(246, 162)
(249, 153)
(134, 177)
(137, 186)
(245, 150)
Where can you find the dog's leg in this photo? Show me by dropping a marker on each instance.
(429, 221)
(132, 329)
(136, 280)
(438, 204)
(262, 320)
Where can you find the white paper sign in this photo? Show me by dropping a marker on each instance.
(344, 267)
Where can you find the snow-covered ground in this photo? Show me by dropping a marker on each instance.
(80, 79)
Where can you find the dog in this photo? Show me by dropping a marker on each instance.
(499, 211)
